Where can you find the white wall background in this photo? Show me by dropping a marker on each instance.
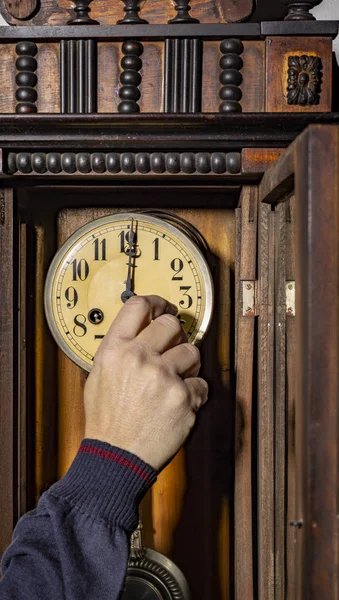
(329, 11)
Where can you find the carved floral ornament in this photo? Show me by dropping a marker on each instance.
(304, 80)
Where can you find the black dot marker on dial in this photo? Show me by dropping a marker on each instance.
(95, 316)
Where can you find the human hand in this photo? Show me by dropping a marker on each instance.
(143, 392)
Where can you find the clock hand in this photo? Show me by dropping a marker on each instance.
(132, 238)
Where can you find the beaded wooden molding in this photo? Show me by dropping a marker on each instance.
(125, 163)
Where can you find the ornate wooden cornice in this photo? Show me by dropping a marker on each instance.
(217, 31)
(159, 132)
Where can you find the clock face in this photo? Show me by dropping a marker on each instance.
(112, 258)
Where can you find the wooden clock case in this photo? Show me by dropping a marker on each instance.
(232, 128)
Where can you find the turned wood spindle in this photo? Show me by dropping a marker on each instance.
(26, 78)
(230, 77)
(183, 7)
(299, 10)
(82, 17)
(130, 77)
(131, 10)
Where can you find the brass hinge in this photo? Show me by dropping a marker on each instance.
(249, 298)
(290, 298)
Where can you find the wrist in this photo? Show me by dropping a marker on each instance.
(106, 482)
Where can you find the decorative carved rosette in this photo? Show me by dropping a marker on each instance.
(304, 80)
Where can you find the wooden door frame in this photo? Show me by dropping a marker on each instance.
(310, 167)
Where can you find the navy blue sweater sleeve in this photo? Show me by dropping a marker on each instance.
(75, 544)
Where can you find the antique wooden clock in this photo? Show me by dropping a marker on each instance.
(180, 148)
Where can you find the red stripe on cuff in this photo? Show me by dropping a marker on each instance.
(129, 464)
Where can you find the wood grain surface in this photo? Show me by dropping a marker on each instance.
(317, 359)
(7, 77)
(258, 160)
(20, 9)
(243, 490)
(58, 12)
(280, 252)
(253, 74)
(152, 72)
(48, 73)
(278, 49)
(291, 375)
(266, 547)
(7, 373)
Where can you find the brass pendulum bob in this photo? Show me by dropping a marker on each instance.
(151, 575)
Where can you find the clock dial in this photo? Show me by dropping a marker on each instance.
(105, 262)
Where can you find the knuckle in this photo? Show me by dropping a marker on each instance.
(104, 356)
(194, 351)
(141, 303)
(180, 396)
(156, 371)
(202, 387)
(171, 322)
(135, 354)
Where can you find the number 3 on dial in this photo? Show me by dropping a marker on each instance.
(110, 259)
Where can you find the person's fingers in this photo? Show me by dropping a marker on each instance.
(183, 359)
(163, 333)
(136, 314)
(198, 390)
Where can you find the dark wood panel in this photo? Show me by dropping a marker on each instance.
(266, 414)
(291, 374)
(258, 160)
(253, 74)
(48, 73)
(7, 77)
(243, 490)
(280, 258)
(317, 360)
(278, 52)
(7, 371)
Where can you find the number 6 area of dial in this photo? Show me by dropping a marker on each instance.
(113, 258)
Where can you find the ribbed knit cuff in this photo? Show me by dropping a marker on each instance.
(106, 482)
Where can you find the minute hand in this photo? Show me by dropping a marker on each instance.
(128, 292)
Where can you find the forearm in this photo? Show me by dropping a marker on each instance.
(75, 544)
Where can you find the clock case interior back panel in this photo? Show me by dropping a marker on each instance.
(217, 151)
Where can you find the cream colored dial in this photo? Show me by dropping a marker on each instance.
(103, 261)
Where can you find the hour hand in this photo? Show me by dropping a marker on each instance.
(132, 238)
(128, 292)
